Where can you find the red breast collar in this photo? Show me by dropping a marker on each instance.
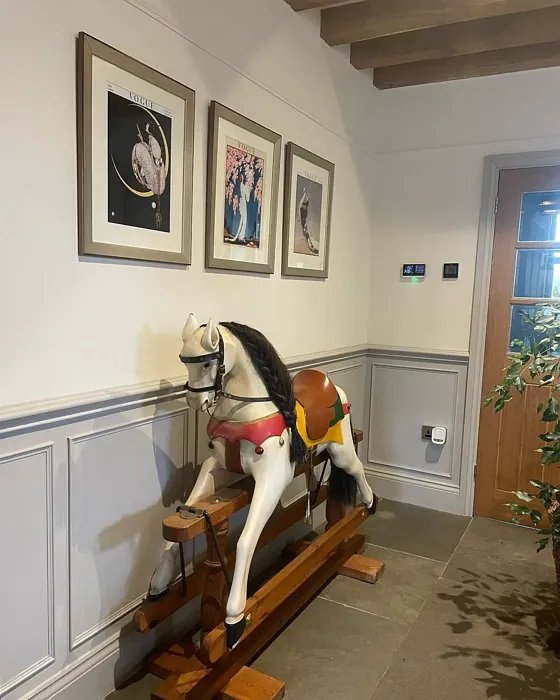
(255, 431)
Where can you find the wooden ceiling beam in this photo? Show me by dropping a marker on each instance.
(300, 5)
(372, 19)
(447, 41)
(470, 66)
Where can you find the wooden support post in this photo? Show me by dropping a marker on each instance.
(334, 512)
(214, 594)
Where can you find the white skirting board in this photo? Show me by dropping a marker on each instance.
(416, 493)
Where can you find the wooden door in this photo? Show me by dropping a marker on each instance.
(525, 270)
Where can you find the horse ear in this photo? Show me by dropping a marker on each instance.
(211, 337)
(190, 327)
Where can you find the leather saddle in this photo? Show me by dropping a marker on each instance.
(319, 398)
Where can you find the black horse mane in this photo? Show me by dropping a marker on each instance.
(276, 379)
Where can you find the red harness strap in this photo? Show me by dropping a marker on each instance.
(256, 431)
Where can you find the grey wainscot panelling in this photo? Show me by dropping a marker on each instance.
(26, 537)
(407, 391)
(86, 481)
(84, 484)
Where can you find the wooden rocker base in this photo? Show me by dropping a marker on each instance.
(209, 670)
(247, 684)
(271, 608)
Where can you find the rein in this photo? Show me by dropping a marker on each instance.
(219, 356)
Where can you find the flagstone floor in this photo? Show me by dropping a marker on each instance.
(465, 611)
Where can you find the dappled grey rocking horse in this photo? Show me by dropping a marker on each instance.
(262, 424)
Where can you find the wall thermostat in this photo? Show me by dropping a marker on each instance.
(414, 270)
(439, 436)
(451, 271)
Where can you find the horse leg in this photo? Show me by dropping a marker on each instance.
(272, 472)
(344, 457)
(211, 478)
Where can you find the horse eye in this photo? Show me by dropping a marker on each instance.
(206, 365)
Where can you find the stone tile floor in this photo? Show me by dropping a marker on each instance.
(465, 611)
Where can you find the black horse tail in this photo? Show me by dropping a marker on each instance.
(342, 486)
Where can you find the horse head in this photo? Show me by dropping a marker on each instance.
(208, 357)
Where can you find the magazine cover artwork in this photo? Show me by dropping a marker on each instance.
(243, 194)
(139, 161)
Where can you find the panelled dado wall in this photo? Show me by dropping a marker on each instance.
(84, 486)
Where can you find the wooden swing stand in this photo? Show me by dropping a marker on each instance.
(209, 670)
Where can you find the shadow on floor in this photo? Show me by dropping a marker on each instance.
(525, 618)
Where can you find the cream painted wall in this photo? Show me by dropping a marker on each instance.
(71, 326)
(432, 144)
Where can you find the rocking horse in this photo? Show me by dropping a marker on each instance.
(262, 424)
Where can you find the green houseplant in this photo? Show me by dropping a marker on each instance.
(538, 357)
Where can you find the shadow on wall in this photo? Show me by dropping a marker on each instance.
(122, 483)
(433, 453)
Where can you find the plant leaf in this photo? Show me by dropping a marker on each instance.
(536, 517)
(538, 484)
(519, 510)
(523, 496)
(552, 410)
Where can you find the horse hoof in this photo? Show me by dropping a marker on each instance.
(235, 632)
(151, 597)
(373, 508)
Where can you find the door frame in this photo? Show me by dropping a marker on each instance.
(493, 164)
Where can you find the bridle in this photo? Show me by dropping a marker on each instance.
(217, 387)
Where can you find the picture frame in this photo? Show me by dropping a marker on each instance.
(308, 195)
(242, 192)
(135, 158)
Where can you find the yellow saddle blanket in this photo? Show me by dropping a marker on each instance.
(333, 434)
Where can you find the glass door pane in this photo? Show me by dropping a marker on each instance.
(539, 219)
(537, 274)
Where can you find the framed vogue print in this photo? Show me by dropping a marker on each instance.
(242, 192)
(135, 158)
(308, 193)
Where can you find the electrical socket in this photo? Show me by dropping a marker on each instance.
(427, 432)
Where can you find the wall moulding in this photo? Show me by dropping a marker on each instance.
(36, 415)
